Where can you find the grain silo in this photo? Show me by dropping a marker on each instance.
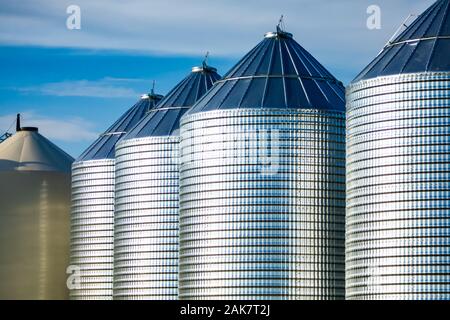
(398, 166)
(146, 209)
(92, 219)
(34, 217)
(262, 180)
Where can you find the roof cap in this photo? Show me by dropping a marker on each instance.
(204, 68)
(152, 96)
(31, 129)
(279, 33)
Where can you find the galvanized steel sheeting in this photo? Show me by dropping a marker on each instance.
(92, 228)
(250, 234)
(146, 219)
(398, 196)
(92, 224)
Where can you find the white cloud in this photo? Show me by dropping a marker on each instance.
(104, 88)
(71, 129)
(333, 31)
(192, 27)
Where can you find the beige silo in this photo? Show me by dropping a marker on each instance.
(34, 217)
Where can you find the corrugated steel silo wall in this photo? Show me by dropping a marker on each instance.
(398, 195)
(146, 219)
(92, 228)
(253, 231)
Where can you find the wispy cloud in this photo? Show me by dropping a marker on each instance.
(227, 27)
(104, 88)
(66, 129)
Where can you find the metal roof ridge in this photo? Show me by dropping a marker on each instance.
(417, 40)
(291, 76)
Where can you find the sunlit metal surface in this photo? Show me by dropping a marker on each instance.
(92, 219)
(262, 180)
(92, 228)
(398, 172)
(146, 219)
(398, 196)
(147, 196)
(257, 225)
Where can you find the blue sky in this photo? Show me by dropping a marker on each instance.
(74, 83)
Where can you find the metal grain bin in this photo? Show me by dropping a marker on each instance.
(92, 220)
(34, 217)
(398, 167)
(262, 180)
(146, 208)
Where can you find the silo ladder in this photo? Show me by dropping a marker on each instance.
(5, 136)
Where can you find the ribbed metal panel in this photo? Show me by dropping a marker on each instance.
(92, 227)
(398, 194)
(253, 231)
(146, 209)
(146, 219)
(92, 224)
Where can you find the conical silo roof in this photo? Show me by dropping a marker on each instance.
(277, 73)
(104, 146)
(423, 47)
(164, 120)
(27, 150)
